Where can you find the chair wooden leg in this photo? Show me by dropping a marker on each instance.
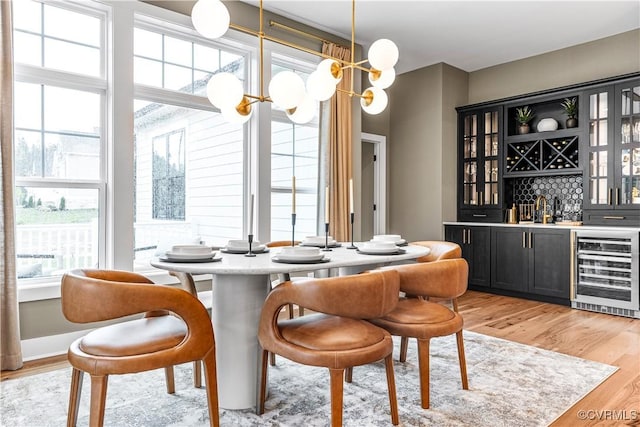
(391, 385)
(74, 396)
(348, 375)
(272, 359)
(170, 379)
(337, 390)
(423, 363)
(290, 308)
(262, 392)
(300, 311)
(462, 360)
(211, 384)
(98, 399)
(197, 374)
(404, 341)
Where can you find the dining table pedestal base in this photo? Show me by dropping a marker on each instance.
(235, 312)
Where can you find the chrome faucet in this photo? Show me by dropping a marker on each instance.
(545, 217)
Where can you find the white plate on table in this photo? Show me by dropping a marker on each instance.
(300, 260)
(237, 250)
(300, 257)
(188, 256)
(330, 244)
(381, 251)
(212, 258)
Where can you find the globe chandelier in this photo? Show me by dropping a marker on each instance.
(286, 89)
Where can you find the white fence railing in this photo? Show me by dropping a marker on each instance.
(43, 250)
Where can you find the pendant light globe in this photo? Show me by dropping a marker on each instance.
(383, 54)
(210, 18)
(374, 100)
(224, 90)
(320, 86)
(304, 112)
(331, 69)
(382, 79)
(238, 114)
(286, 89)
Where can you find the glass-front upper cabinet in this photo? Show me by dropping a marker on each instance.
(612, 174)
(627, 148)
(479, 183)
(599, 177)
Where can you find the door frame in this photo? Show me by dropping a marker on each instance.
(379, 180)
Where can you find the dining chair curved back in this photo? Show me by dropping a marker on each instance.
(439, 249)
(284, 276)
(336, 336)
(281, 243)
(176, 328)
(422, 319)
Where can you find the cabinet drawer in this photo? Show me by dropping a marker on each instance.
(480, 215)
(628, 218)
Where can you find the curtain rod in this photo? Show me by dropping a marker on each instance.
(273, 23)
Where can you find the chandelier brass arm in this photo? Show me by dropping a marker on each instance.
(287, 89)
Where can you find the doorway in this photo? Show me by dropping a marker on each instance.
(373, 185)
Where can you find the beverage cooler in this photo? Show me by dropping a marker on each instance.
(605, 272)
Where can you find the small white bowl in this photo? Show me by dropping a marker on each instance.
(317, 240)
(191, 249)
(303, 251)
(387, 237)
(379, 244)
(242, 244)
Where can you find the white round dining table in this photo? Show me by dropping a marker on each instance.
(240, 285)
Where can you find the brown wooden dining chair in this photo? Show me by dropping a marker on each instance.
(439, 249)
(285, 276)
(336, 336)
(176, 328)
(422, 319)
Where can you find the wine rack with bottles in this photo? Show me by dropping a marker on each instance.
(556, 155)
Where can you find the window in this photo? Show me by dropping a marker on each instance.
(112, 168)
(190, 167)
(58, 137)
(167, 166)
(294, 152)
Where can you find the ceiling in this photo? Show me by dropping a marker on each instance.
(470, 35)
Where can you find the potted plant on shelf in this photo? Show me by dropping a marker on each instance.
(524, 116)
(570, 107)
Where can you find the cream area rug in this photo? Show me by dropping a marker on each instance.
(510, 384)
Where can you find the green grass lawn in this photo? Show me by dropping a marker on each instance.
(26, 216)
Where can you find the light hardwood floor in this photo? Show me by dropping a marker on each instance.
(599, 337)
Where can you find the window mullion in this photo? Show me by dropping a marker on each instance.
(30, 74)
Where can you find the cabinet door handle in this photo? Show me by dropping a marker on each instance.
(617, 195)
(480, 215)
(610, 196)
(530, 241)
(524, 239)
(464, 236)
(468, 237)
(613, 217)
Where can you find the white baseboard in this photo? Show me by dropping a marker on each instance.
(52, 345)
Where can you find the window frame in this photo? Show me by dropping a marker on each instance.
(29, 288)
(116, 225)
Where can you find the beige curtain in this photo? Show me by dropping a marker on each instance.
(340, 149)
(9, 323)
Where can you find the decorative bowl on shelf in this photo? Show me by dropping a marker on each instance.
(546, 125)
